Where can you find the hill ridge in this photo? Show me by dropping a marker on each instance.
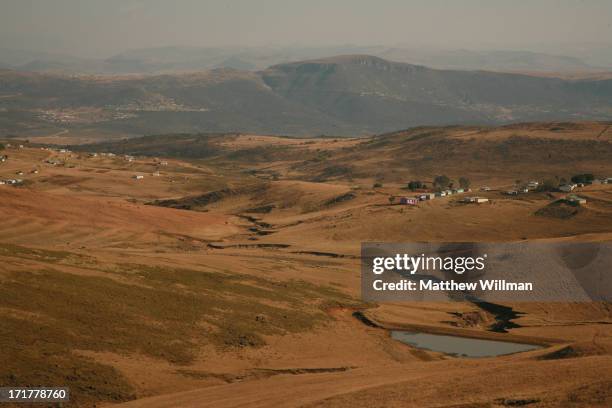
(342, 95)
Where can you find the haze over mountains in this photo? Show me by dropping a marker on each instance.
(343, 95)
(180, 59)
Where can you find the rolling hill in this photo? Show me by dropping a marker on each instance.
(345, 95)
(232, 264)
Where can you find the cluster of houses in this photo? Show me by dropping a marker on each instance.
(532, 185)
(443, 193)
(58, 150)
(565, 188)
(101, 155)
(8, 146)
(130, 158)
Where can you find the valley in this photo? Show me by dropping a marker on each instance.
(199, 269)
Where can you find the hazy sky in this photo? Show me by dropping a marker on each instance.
(103, 27)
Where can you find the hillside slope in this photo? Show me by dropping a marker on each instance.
(382, 95)
(346, 95)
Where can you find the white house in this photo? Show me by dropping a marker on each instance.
(576, 200)
(566, 188)
(476, 200)
(138, 177)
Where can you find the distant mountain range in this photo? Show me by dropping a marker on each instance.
(343, 95)
(183, 59)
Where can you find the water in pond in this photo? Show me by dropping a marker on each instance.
(460, 346)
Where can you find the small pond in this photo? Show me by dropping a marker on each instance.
(460, 346)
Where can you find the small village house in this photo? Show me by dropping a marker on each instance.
(576, 200)
(566, 188)
(408, 201)
(476, 200)
(427, 196)
(532, 185)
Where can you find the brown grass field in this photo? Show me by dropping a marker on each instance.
(246, 297)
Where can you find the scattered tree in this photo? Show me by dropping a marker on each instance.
(586, 178)
(415, 185)
(464, 182)
(391, 199)
(441, 182)
(377, 185)
(548, 185)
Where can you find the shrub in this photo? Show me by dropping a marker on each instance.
(583, 178)
(441, 182)
(415, 185)
(464, 182)
(548, 185)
